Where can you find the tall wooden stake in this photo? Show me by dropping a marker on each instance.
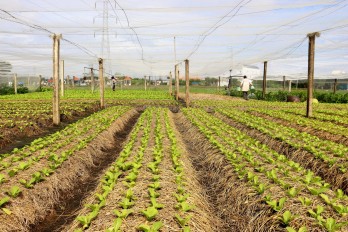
(56, 48)
(283, 83)
(264, 79)
(68, 80)
(187, 78)
(145, 82)
(335, 86)
(92, 81)
(101, 82)
(170, 83)
(15, 82)
(176, 82)
(40, 82)
(61, 73)
(289, 81)
(311, 49)
(219, 82)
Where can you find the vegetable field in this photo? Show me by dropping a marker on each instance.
(148, 163)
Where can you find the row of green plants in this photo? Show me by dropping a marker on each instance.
(153, 124)
(88, 94)
(122, 167)
(52, 150)
(183, 206)
(304, 121)
(269, 173)
(326, 117)
(329, 152)
(281, 96)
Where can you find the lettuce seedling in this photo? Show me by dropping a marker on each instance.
(287, 217)
(331, 225)
(153, 228)
(2, 179)
(3, 201)
(116, 226)
(155, 204)
(302, 229)
(126, 203)
(150, 213)
(14, 191)
(123, 213)
(184, 206)
(183, 221)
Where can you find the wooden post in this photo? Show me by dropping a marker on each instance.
(311, 49)
(187, 78)
(40, 80)
(101, 84)
(73, 81)
(61, 73)
(56, 48)
(289, 81)
(283, 83)
(176, 82)
(335, 86)
(15, 82)
(219, 82)
(170, 84)
(145, 82)
(264, 86)
(68, 80)
(92, 80)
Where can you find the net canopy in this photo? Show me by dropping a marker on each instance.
(138, 38)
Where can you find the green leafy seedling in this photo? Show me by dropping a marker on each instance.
(2, 179)
(46, 171)
(184, 206)
(3, 201)
(287, 217)
(155, 227)
(260, 188)
(155, 185)
(155, 204)
(305, 201)
(124, 213)
(183, 221)
(293, 192)
(317, 213)
(341, 209)
(302, 229)
(126, 203)
(12, 172)
(116, 226)
(23, 165)
(331, 225)
(150, 213)
(277, 205)
(153, 193)
(181, 197)
(14, 191)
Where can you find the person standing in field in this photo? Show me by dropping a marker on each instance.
(245, 86)
(113, 80)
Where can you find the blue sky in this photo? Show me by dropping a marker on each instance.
(215, 36)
